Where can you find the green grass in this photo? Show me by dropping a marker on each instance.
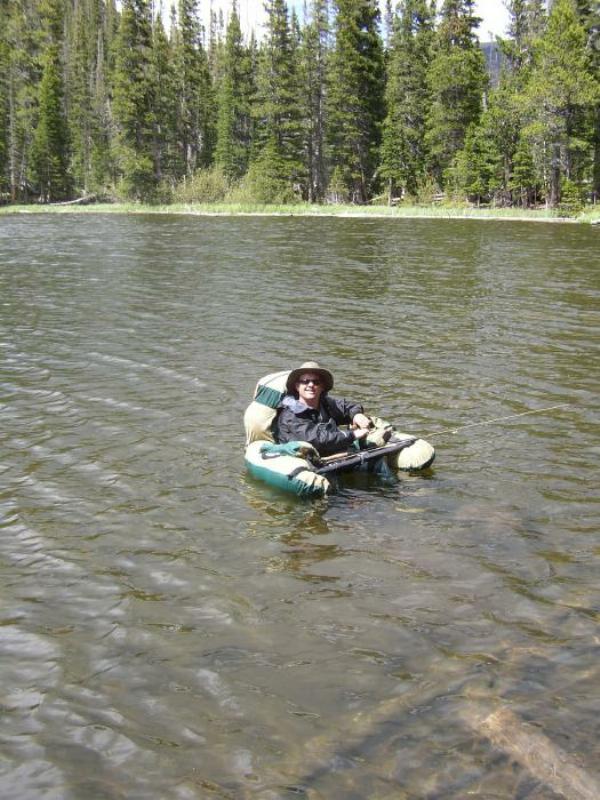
(306, 209)
(591, 216)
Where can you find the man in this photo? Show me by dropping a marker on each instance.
(308, 414)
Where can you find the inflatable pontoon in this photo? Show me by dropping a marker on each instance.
(297, 467)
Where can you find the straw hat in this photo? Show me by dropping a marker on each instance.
(309, 366)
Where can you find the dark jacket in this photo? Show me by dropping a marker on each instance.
(319, 427)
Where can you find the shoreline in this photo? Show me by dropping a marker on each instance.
(305, 210)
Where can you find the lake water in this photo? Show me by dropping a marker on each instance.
(171, 629)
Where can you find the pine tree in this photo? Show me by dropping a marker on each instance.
(313, 77)
(457, 78)
(404, 157)
(133, 101)
(24, 35)
(196, 110)
(50, 145)
(4, 103)
(536, 20)
(102, 167)
(80, 72)
(523, 180)
(477, 169)
(505, 105)
(111, 22)
(49, 150)
(216, 40)
(561, 95)
(526, 22)
(164, 105)
(278, 113)
(590, 15)
(208, 114)
(234, 103)
(514, 47)
(502, 124)
(355, 103)
(388, 25)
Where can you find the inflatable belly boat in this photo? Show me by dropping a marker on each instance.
(296, 466)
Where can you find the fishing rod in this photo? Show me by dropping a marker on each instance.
(355, 459)
(496, 419)
(349, 459)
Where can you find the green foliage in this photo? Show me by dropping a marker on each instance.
(209, 185)
(162, 79)
(514, 47)
(355, 101)
(266, 181)
(523, 182)
(483, 168)
(78, 69)
(132, 105)
(279, 130)
(4, 106)
(457, 79)
(428, 191)
(49, 151)
(196, 113)
(313, 63)
(97, 97)
(527, 22)
(476, 171)
(90, 33)
(50, 145)
(235, 96)
(337, 190)
(589, 11)
(560, 97)
(571, 199)
(403, 151)
(136, 180)
(23, 34)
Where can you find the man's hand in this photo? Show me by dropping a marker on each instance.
(361, 421)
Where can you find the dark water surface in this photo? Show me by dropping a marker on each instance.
(171, 629)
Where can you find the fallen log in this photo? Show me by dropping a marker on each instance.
(80, 201)
(547, 762)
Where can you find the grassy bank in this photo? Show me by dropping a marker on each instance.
(304, 209)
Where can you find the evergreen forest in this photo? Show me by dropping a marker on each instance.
(338, 104)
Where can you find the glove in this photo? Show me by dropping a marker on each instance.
(378, 436)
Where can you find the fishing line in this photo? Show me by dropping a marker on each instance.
(496, 419)
(332, 463)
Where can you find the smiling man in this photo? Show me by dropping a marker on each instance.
(308, 414)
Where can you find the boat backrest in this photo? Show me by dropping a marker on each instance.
(261, 413)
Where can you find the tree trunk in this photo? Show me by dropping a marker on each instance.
(554, 193)
(596, 167)
(12, 139)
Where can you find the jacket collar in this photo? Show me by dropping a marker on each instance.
(295, 405)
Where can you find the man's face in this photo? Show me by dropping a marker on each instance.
(309, 388)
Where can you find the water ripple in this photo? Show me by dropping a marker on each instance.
(171, 628)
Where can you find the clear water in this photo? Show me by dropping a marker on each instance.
(172, 629)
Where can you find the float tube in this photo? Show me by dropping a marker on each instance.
(296, 466)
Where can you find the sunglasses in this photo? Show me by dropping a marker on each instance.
(306, 381)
